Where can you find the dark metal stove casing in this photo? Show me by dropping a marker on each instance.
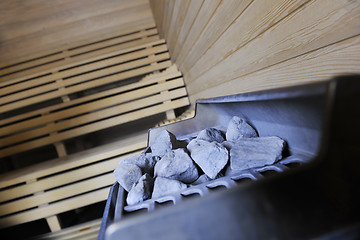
(319, 121)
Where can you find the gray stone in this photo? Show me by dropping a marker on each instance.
(177, 165)
(141, 190)
(145, 161)
(238, 128)
(210, 156)
(164, 142)
(202, 179)
(164, 186)
(211, 135)
(256, 152)
(127, 175)
(227, 144)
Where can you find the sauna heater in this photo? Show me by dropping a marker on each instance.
(313, 192)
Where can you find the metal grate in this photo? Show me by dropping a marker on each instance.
(221, 183)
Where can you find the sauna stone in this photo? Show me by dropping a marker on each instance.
(141, 190)
(202, 179)
(227, 144)
(164, 142)
(177, 165)
(211, 135)
(238, 128)
(256, 152)
(145, 161)
(164, 186)
(210, 156)
(127, 175)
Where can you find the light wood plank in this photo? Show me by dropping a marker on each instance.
(114, 105)
(224, 16)
(47, 56)
(61, 193)
(169, 73)
(207, 10)
(31, 17)
(190, 17)
(169, 7)
(78, 50)
(57, 181)
(177, 19)
(158, 12)
(56, 208)
(97, 126)
(246, 27)
(314, 25)
(84, 59)
(95, 83)
(101, 67)
(53, 223)
(337, 59)
(41, 170)
(83, 227)
(29, 44)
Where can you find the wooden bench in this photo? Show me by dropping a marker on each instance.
(80, 90)
(52, 187)
(88, 230)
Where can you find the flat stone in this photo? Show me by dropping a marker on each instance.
(141, 190)
(238, 128)
(164, 142)
(127, 175)
(145, 161)
(211, 135)
(164, 186)
(202, 179)
(177, 165)
(256, 152)
(210, 156)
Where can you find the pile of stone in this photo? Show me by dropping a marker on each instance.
(170, 165)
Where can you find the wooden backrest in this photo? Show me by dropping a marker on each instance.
(151, 95)
(63, 184)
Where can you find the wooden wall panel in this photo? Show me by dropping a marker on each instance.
(36, 27)
(322, 64)
(227, 47)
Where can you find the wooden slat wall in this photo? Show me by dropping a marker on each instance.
(43, 27)
(226, 47)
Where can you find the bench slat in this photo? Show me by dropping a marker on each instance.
(73, 231)
(22, 90)
(103, 124)
(50, 167)
(56, 208)
(82, 59)
(169, 73)
(83, 84)
(60, 193)
(111, 104)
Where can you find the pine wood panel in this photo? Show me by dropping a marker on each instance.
(266, 33)
(191, 14)
(63, 57)
(336, 59)
(40, 32)
(208, 8)
(177, 19)
(257, 18)
(316, 24)
(224, 16)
